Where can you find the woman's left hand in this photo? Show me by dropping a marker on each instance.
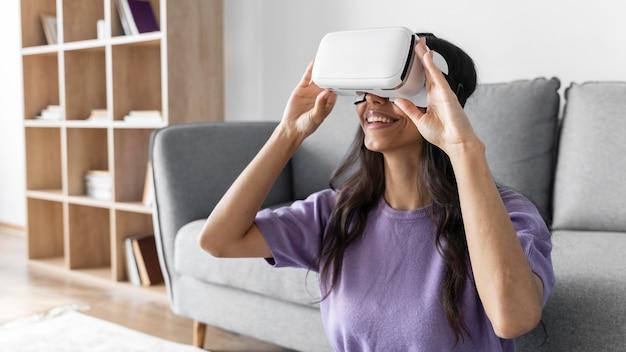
(444, 123)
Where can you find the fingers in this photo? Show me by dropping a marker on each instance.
(432, 72)
(408, 108)
(324, 103)
(306, 78)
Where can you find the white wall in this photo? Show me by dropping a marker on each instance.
(572, 40)
(268, 44)
(12, 183)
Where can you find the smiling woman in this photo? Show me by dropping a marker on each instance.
(407, 258)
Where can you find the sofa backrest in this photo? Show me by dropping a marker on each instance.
(590, 191)
(193, 165)
(516, 120)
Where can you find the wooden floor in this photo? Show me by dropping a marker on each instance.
(27, 289)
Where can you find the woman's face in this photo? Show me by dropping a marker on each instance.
(381, 136)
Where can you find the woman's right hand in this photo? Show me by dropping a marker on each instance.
(307, 107)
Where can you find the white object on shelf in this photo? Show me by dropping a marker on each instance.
(101, 29)
(98, 184)
(143, 116)
(98, 115)
(51, 113)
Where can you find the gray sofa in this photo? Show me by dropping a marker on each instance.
(573, 168)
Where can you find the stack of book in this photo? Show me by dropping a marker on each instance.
(136, 16)
(52, 112)
(98, 184)
(143, 116)
(142, 261)
(98, 115)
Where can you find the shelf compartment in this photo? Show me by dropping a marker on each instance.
(32, 30)
(46, 194)
(42, 123)
(130, 168)
(85, 83)
(89, 201)
(151, 38)
(86, 150)
(91, 44)
(135, 207)
(87, 124)
(41, 83)
(127, 224)
(43, 158)
(89, 237)
(136, 78)
(80, 18)
(41, 50)
(45, 228)
(116, 25)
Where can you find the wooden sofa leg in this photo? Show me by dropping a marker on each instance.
(199, 331)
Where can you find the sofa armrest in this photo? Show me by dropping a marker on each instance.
(193, 165)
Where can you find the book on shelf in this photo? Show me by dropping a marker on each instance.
(49, 25)
(132, 272)
(136, 16)
(98, 184)
(142, 260)
(51, 112)
(143, 116)
(148, 193)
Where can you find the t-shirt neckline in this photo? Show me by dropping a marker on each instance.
(403, 214)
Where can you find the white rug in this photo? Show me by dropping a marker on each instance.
(67, 330)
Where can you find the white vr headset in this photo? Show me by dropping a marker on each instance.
(380, 61)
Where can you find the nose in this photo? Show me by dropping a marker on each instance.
(375, 99)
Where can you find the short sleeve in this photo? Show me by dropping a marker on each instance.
(534, 236)
(294, 233)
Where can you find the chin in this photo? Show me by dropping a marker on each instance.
(377, 146)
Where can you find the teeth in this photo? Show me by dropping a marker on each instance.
(379, 119)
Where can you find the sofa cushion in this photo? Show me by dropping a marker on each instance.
(589, 191)
(516, 120)
(586, 310)
(250, 274)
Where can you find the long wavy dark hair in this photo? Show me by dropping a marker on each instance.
(360, 191)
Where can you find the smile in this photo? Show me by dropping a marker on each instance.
(376, 120)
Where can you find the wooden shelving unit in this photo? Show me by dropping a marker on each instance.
(177, 70)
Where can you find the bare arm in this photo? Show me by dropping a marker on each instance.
(511, 293)
(229, 230)
(234, 214)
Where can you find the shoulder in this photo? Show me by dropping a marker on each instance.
(323, 202)
(325, 198)
(522, 211)
(514, 200)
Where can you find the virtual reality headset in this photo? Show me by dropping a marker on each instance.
(381, 61)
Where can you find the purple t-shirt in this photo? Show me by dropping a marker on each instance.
(387, 298)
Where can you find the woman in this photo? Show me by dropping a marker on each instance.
(419, 249)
